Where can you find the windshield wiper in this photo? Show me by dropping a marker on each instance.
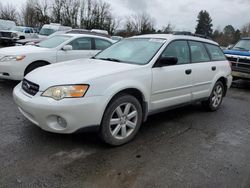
(111, 59)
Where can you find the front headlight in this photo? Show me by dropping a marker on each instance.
(12, 58)
(68, 91)
(14, 35)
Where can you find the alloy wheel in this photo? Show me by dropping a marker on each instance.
(123, 121)
(217, 96)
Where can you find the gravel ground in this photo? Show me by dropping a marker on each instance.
(186, 147)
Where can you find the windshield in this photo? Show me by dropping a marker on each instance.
(53, 42)
(18, 29)
(243, 45)
(46, 31)
(135, 51)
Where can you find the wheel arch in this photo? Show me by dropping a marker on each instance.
(224, 81)
(135, 92)
(22, 37)
(220, 77)
(36, 62)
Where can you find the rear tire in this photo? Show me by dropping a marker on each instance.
(216, 97)
(121, 121)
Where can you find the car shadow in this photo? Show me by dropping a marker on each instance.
(241, 84)
(89, 139)
(153, 127)
(8, 84)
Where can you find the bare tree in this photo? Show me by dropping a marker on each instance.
(29, 13)
(245, 31)
(43, 12)
(36, 13)
(57, 9)
(96, 14)
(70, 13)
(168, 29)
(8, 12)
(139, 24)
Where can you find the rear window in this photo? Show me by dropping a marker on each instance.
(215, 53)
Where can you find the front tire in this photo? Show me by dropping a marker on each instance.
(121, 121)
(216, 97)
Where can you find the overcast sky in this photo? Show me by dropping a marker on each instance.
(181, 13)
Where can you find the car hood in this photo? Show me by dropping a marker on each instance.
(237, 52)
(7, 31)
(80, 71)
(22, 50)
(42, 36)
(34, 40)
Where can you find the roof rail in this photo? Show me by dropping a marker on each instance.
(84, 31)
(191, 34)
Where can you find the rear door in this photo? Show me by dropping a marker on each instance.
(203, 70)
(172, 85)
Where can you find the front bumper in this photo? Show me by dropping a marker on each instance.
(241, 75)
(6, 40)
(77, 113)
(12, 70)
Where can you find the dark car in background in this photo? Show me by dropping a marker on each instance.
(239, 56)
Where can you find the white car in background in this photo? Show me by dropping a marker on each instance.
(49, 29)
(10, 36)
(16, 62)
(6, 24)
(120, 87)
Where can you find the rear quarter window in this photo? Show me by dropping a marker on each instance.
(215, 52)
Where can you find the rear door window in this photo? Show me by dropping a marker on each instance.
(215, 52)
(198, 52)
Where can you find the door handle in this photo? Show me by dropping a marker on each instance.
(214, 68)
(189, 71)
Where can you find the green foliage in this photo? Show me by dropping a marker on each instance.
(227, 37)
(204, 26)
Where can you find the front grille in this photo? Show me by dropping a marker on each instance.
(30, 87)
(232, 59)
(246, 66)
(240, 63)
(6, 34)
(241, 60)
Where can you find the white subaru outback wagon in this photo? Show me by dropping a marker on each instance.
(119, 88)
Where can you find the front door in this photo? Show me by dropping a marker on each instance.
(172, 85)
(81, 48)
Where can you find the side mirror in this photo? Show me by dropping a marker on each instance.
(167, 61)
(67, 48)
